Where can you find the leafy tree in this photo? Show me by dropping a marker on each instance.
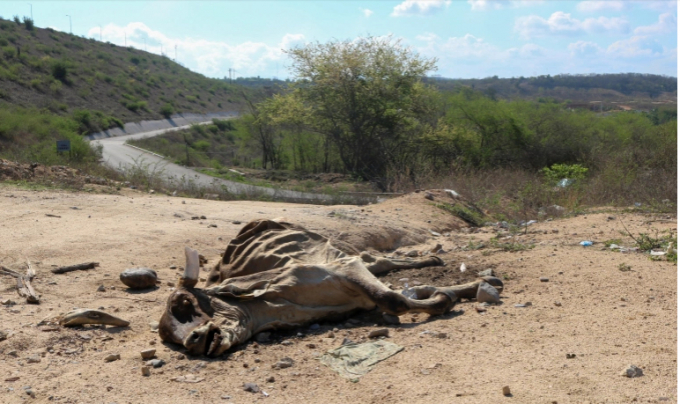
(366, 96)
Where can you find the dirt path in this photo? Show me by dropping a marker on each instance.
(607, 317)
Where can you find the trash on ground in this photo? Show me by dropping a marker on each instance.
(353, 360)
(586, 243)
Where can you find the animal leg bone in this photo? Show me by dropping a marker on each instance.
(90, 316)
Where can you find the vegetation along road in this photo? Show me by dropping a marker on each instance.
(117, 154)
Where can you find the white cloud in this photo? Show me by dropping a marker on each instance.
(367, 12)
(601, 5)
(635, 47)
(584, 48)
(419, 7)
(211, 58)
(484, 5)
(561, 23)
(667, 23)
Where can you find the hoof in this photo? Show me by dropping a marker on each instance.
(495, 282)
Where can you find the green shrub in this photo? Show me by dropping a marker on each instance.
(167, 110)
(28, 23)
(557, 172)
(3, 42)
(223, 124)
(16, 19)
(201, 145)
(8, 52)
(135, 60)
(60, 70)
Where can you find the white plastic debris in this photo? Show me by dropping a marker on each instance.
(463, 268)
(453, 194)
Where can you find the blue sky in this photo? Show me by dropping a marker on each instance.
(470, 38)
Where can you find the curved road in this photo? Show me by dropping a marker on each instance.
(121, 156)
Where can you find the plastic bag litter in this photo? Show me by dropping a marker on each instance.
(463, 268)
(355, 360)
(565, 182)
(453, 194)
(586, 243)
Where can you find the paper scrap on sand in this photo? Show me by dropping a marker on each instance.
(355, 360)
(188, 379)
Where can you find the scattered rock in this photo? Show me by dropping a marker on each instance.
(171, 284)
(203, 217)
(148, 353)
(283, 363)
(271, 379)
(487, 293)
(543, 279)
(146, 371)
(173, 266)
(212, 225)
(112, 357)
(631, 371)
(480, 309)
(571, 355)
(346, 341)
(236, 222)
(558, 304)
(383, 332)
(314, 327)
(101, 288)
(429, 196)
(488, 272)
(251, 387)
(436, 249)
(153, 325)
(139, 278)
(390, 319)
(8, 302)
(33, 359)
(3, 335)
(156, 363)
(225, 397)
(188, 379)
(412, 253)
(506, 391)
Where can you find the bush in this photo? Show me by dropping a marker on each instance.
(558, 172)
(3, 42)
(201, 145)
(167, 110)
(60, 70)
(8, 52)
(135, 60)
(223, 125)
(16, 19)
(28, 23)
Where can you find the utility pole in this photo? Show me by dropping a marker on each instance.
(175, 52)
(100, 33)
(144, 44)
(31, 11)
(70, 24)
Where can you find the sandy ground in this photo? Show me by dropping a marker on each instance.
(607, 317)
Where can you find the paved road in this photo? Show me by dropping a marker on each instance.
(121, 156)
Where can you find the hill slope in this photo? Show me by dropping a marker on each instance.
(67, 74)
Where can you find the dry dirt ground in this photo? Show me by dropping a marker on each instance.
(607, 317)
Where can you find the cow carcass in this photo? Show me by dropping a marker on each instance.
(277, 275)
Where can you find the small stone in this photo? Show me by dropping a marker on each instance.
(383, 332)
(251, 387)
(390, 319)
(429, 196)
(3, 335)
(631, 371)
(506, 391)
(558, 304)
(8, 302)
(487, 272)
(171, 284)
(33, 359)
(156, 363)
(148, 353)
(314, 327)
(203, 217)
(153, 325)
(543, 279)
(311, 346)
(181, 357)
(412, 253)
(346, 341)
(139, 278)
(487, 293)
(283, 363)
(225, 397)
(101, 288)
(112, 357)
(30, 393)
(212, 225)
(173, 266)
(287, 342)
(271, 379)
(571, 355)
(146, 371)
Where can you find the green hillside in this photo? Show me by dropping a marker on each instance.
(69, 75)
